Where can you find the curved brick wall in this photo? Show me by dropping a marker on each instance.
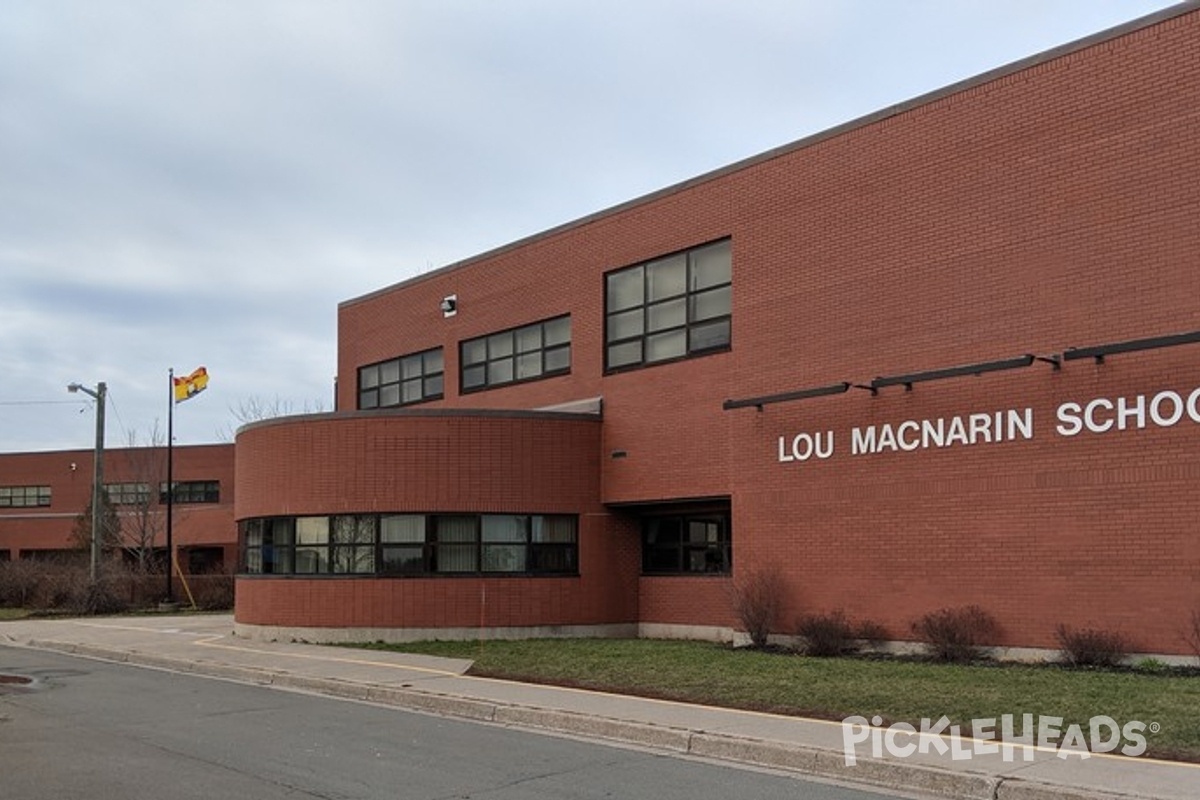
(434, 461)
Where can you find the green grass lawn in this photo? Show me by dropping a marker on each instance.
(897, 690)
(13, 613)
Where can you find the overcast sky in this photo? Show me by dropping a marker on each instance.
(188, 183)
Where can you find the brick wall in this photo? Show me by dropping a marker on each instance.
(1049, 206)
(49, 528)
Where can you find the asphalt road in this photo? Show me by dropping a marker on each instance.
(113, 732)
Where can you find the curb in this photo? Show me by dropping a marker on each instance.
(807, 761)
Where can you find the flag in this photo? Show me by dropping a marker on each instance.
(192, 385)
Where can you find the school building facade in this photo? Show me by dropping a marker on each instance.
(946, 354)
(43, 495)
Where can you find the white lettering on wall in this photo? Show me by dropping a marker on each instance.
(1100, 415)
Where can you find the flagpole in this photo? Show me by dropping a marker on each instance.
(170, 478)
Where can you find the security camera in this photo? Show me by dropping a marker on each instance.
(450, 305)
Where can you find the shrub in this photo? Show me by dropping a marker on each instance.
(212, 592)
(871, 633)
(18, 582)
(757, 600)
(105, 595)
(827, 635)
(1089, 647)
(956, 634)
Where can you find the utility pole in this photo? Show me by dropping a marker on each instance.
(97, 471)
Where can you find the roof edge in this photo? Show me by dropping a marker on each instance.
(1180, 9)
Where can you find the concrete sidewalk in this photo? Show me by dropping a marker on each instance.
(205, 645)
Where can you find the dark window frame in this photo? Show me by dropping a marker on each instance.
(430, 381)
(513, 355)
(128, 493)
(715, 557)
(688, 299)
(273, 546)
(25, 496)
(192, 492)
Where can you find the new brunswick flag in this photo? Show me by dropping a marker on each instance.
(192, 385)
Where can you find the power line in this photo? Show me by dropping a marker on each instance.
(38, 402)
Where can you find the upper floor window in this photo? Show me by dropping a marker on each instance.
(24, 496)
(518, 354)
(669, 308)
(402, 381)
(192, 492)
(128, 494)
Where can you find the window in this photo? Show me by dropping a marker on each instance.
(128, 494)
(534, 351)
(669, 308)
(192, 492)
(268, 545)
(411, 544)
(414, 378)
(686, 544)
(24, 496)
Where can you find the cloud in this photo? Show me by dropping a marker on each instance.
(202, 182)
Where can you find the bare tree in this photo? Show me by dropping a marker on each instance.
(110, 526)
(143, 516)
(255, 408)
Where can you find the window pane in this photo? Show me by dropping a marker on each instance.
(663, 531)
(433, 386)
(410, 366)
(711, 334)
(352, 559)
(474, 351)
(389, 372)
(625, 325)
(500, 345)
(456, 528)
(551, 558)
(504, 558)
(411, 391)
(500, 371)
(557, 359)
(701, 531)
(713, 303)
(667, 278)
(312, 560)
(456, 558)
(280, 531)
(402, 528)
(433, 361)
(368, 377)
(529, 365)
(504, 528)
(529, 339)
(312, 530)
(671, 314)
(711, 265)
(625, 289)
(404, 560)
(666, 345)
(628, 353)
(474, 376)
(390, 395)
(558, 331)
(554, 529)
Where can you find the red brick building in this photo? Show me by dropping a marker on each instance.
(43, 494)
(946, 354)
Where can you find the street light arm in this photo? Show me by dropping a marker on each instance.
(79, 387)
